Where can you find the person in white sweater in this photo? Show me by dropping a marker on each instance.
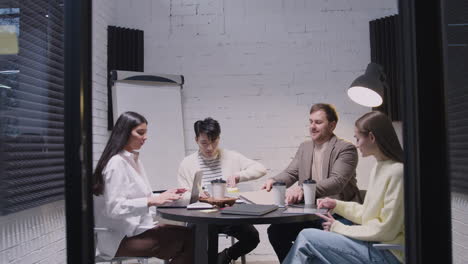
(123, 198)
(216, 163)
(380, 219)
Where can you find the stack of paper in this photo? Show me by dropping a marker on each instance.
(257, 197)
(304, 209)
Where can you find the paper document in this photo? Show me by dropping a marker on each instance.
(257, 197)
(301, 209)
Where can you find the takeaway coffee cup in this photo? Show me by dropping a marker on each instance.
(218, 188)
(309, 187)
(279, 192)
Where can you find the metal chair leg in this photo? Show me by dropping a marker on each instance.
(243, 261)
(233, 241)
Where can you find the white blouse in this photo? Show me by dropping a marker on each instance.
(123, 208)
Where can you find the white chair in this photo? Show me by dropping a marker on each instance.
(117, 260)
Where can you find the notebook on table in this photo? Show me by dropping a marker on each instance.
(249, 209)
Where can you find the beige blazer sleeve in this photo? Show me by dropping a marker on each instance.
(341, 172)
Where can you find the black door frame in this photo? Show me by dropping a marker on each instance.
(427, 192)
(78, 132)
(427, 187)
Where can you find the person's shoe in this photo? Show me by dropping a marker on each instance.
(223, 257)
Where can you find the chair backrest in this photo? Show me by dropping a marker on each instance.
(389, 247)
(362, 193)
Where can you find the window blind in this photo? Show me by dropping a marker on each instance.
(457, 93)
(32, 106)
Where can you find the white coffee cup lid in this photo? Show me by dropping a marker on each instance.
(218, 181)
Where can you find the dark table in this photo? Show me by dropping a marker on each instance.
(206, 232)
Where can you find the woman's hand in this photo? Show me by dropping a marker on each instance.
(328, 203)
(204, 195)
(165, 197)
(177, 190)
(329, 220)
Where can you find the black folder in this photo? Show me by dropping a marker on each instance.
(249, 209)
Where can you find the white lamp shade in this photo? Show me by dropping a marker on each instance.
(364, 96)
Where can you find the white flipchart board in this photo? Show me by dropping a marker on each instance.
(161, 104)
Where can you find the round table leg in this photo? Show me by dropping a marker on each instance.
(206, 243)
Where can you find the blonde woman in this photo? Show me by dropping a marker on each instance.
(380, 219)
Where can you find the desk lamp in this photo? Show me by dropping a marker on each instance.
(368, 89)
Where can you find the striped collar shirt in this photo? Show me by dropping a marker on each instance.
(211, 168)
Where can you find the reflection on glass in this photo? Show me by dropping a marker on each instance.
(31, 105)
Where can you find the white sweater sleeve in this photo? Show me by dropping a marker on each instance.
(185, 176)
(349, 210)
(250, 169)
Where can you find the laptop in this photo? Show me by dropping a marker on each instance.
(183, 203)
(249, 209)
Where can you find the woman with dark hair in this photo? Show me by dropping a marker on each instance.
(380, 219)
(123, 198)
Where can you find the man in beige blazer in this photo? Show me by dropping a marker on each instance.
(330, 161)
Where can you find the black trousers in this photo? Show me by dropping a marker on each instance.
(247, 237)
(163, 241)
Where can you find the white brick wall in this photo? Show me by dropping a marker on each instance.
(104, 13)
(35, 235)
(258, 65)
(460, 228)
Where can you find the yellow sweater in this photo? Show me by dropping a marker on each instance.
(381, 217)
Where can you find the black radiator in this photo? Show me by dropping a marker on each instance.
(124, 52)
(456, 28)
(385, 50)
